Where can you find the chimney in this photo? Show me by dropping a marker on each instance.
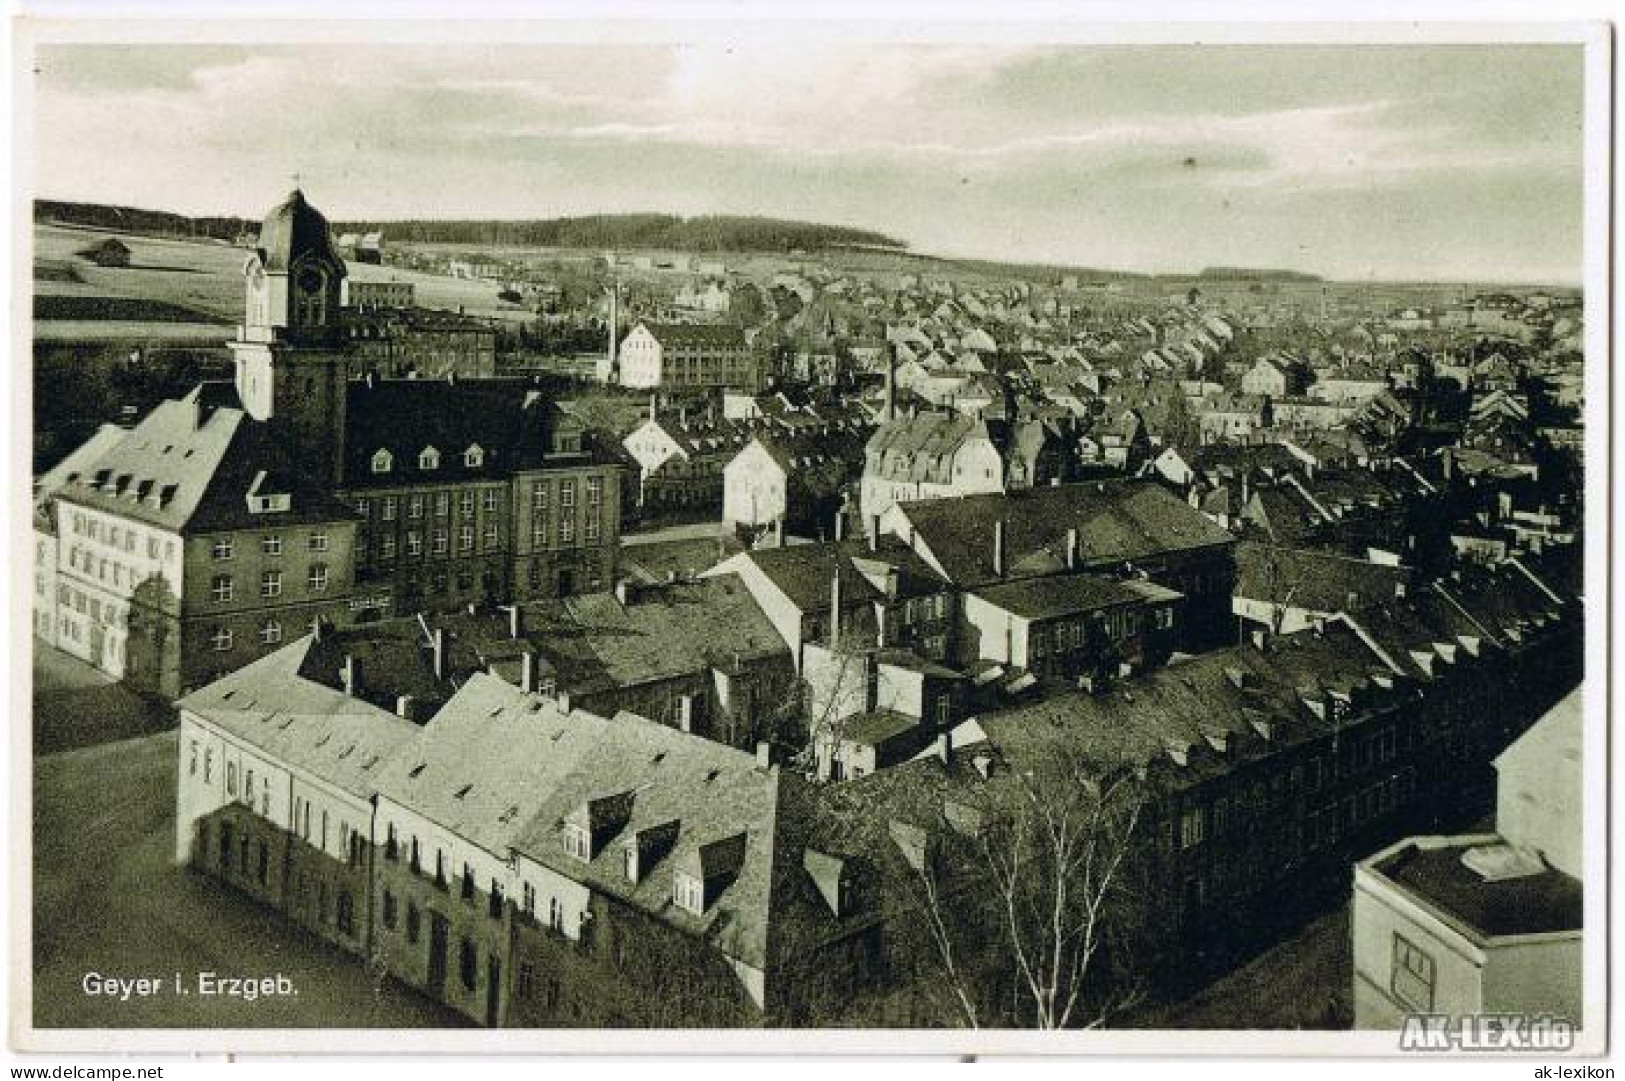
(880, 626)
(350, 675)
(1260, 639)
(516, 621)
(623, 591)
(1246, 487)
(891, 384)
(764, 755)
(945, 747)
(874, 533)
(835, 609)
(403, 706)
(998, 548)
(1072, 548)
(316, 629)
(840, 527)
(654, 408)
(527, 671)
(440, 653)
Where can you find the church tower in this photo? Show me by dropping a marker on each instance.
(290, 358)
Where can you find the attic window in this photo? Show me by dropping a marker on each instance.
(474, 456)
(417, 769)
(429, 459)
(688, 893)
(463, 791)
(382, 461)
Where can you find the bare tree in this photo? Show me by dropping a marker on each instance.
(1047, 867)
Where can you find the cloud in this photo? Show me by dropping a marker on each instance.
(1146, 156)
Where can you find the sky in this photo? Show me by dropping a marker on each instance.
(1435, 162)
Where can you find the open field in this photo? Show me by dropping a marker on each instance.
(108, 900)
(206, 276)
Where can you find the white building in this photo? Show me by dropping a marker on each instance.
(1483, 923)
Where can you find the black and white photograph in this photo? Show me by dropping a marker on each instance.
(950, 537)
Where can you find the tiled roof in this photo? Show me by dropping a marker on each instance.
(713, 793)
(1314, 580)
(1068, 594)
(1117, 521)
(488, 759)
(508, 419)
(720, 335)
(189, 465)
(267, 704)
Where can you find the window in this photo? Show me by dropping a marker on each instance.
(192, 768)
(465, 538)
(465, 504)
(1190, 827)
(414, 543)
(414, 507)
(317, 578)
(388, 511)
(576, 841)
(567, 530)
(538, 496)
(595, 491)
(270, 632)
(429, 458)
(389, 910)
(945, 705)
(318, 542)
(221, 639)
(223, 549)
(474, 457)
(382, 461)
(538, 534)
(490, 500)
(468, 882)
(231, 779)
(527, 979)
(440, 540)
(490, 535)
(529, 898)
(363, 507)
(567, 494)
(386, 546)
(555, 913)
(467, 964)
(688, 893)
(221, 588)
(590, 530)
(271, 584)
(413, 922)
(271, 544)
(442, 504)
(629, 862)
(1412, 981)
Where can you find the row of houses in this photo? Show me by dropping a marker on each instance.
(528, 862)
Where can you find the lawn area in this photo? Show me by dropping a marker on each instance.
(76, 706)
(108, 900)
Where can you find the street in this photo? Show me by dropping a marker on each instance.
(76, 706)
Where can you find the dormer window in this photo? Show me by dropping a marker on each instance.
(577, 841)
(688, 893)
(429, 459)
(474, 457)
(382, 461)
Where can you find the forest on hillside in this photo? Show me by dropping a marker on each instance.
(655, 231)
(652, 231)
